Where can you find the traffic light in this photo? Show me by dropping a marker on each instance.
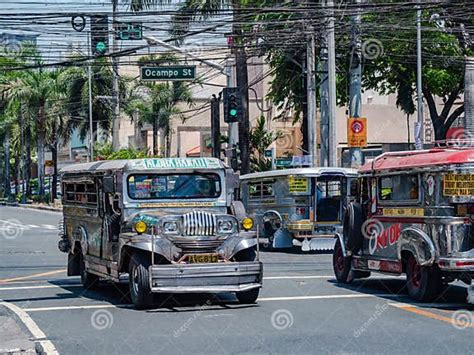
(232, 105)
(99, 34)
(234, 156)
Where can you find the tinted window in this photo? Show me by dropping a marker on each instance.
(399, 188)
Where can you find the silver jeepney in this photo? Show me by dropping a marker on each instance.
(298, 207)
(171, 224)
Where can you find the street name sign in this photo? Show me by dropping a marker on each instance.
(165, 73)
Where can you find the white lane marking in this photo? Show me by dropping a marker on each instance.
(323, 297)
(27, 226)
(263, 299)
(64, 308)
(36, 287)
(298, 277)
(35, 331)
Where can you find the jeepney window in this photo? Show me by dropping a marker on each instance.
(261, 189)
(173, 186)
(81, 193)
(399, 188)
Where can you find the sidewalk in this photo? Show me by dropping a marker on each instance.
(35, 206)
(13, 338)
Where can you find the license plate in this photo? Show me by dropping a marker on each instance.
(203, 258)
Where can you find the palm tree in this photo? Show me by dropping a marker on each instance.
(35, 88)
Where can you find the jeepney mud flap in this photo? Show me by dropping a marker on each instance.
(318, 244)
(282, 239)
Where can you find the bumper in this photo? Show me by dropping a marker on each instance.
(456, 264)
(206, 278)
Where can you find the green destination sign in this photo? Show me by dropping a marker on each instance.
(182, 72)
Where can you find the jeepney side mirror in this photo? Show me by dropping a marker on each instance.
(108, 184)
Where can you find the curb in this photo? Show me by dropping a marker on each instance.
(32, 207)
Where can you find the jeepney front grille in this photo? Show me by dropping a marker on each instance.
(198, 246)
(199, 223)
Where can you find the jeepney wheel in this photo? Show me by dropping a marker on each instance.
(352, 227)
(270, 234)
(139, 281)
(423, 282)
(341, 264)
(248, 297)
(89, 281)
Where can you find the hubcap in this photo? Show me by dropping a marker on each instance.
(135, 279)
(339, 260)
(415, 273)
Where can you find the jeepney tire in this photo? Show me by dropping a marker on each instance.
(341, 265)
(269, 234)
(360, 274)
(423, 282)
(139, 281)
(248, 297)
(353, 221)
(89, 281)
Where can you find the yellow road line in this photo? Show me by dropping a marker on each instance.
(427, 314)
(33, 276)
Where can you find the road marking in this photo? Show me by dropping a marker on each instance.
(33, 276)
(427, 314)
(33, 328)
(64, 308)
(38, 287)
(263, 299)
(298, 277)
(323, 297)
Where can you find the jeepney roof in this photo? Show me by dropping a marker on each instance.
(145, 164)
(419, 159)
(310, 172)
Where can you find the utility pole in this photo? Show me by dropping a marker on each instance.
(91, 124)
(216, 127)
(311, 94)
(324, 89)
(469, 98)
(419, 87)
(332, 86)
(355, 88)
(116, 93)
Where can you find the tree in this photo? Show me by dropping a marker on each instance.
(194, 11)
(260, 139)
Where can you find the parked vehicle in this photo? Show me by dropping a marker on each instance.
(171, 224)
(299, 207)
(413, 215)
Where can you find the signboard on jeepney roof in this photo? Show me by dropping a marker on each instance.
(458, 185)
(176, 163)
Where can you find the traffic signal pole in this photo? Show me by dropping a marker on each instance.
(216, 127)
(311, 93)
(332, 151)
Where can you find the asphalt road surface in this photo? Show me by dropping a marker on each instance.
(300, 310)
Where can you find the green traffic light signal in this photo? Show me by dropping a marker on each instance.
(100, 47)
(233, 112)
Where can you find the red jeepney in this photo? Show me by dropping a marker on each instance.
(413, 214)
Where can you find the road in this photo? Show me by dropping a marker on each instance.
(300, 310)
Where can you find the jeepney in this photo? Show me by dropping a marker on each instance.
(171, 224)
(413, 216)
(298, 207)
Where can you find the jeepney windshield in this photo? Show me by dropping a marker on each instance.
(173, 186)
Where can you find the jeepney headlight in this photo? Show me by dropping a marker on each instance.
(247, 223)
(226, 226)
(140, 227)
(170, 227)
